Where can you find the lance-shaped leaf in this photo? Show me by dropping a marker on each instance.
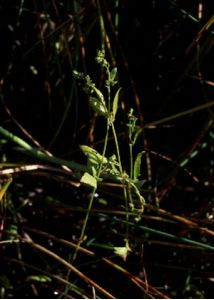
(113, 74)
(98, 106)
(4, 188)
(137, 165)
(99, 94)
(115, 103)
(94, 157)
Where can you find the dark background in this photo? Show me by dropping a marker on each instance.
(162, 71)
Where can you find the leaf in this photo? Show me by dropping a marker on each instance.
(94, 157)
(89, 180)
(113, 75)
(136, 135)
(4, 188)
(39, 278)
(98, 106)
(137, 165)
(115, 103)
(99, 94)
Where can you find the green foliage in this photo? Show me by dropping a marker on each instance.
(4, 188)
(137, 166)
(115, 103)
(89, 180)
(94, 158)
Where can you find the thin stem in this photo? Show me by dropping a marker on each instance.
(131, 159)
(91, 198)
(117, 148)
(124, 184)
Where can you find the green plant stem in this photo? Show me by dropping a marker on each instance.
(117, 148)
(104, 149)
(125, 190)
(125, 187)
(131, 159)
(91, 198)
(82, 234)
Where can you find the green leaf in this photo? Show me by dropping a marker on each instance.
(4, 188)
(136, 135)
(89, 180)
(98, 106)
(115, 103)
(113, 75)
(39, 278)
(94, 157)
(99, 94)
(137, 165)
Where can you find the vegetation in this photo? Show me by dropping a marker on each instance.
(106, 145)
